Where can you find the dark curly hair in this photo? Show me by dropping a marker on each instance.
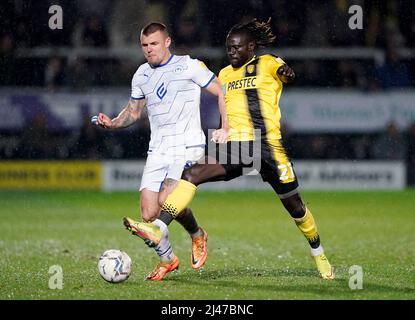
(257, 31)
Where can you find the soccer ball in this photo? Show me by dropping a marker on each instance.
(114, 266)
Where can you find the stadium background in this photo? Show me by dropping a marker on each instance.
(348, 122)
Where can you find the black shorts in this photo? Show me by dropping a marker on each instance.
(268, 158)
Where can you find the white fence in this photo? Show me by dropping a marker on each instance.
(312, 175)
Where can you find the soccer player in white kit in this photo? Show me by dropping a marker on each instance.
(169, 86)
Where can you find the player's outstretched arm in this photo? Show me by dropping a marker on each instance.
(129, 115)
(286, 74)
(220, 135)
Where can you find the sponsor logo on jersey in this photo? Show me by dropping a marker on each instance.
(244, 83)
(179, 69)
(161, 91)
(250, 69)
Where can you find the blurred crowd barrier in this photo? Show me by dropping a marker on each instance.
(79, 69)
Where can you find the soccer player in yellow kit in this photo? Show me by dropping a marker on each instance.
(253, 86)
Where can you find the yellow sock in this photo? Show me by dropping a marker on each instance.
(307, 226)
(180, 198)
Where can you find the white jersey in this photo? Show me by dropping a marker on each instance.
(172, 93)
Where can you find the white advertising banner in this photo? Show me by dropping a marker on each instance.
(122, 175)
(351, 175)
(312, 175)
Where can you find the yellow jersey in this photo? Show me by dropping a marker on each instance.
(252, 93)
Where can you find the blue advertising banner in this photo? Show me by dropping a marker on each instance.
(303, 111)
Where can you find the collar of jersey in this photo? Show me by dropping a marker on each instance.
(163, 64)
(253, 58)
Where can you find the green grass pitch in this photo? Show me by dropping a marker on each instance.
(255, 249)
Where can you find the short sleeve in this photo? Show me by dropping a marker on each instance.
(220, 75)
(273, 65)
(136, 92)
(201, 75)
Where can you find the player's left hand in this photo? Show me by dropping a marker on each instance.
(220, 136)
(285, 73)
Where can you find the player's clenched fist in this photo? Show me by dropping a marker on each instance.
(285, 73)
(102, 120)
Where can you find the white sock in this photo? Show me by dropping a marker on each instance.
(317, 251)
(164, 249)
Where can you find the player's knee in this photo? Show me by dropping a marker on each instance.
(149, 213)
(297, 210)
(295, 206)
